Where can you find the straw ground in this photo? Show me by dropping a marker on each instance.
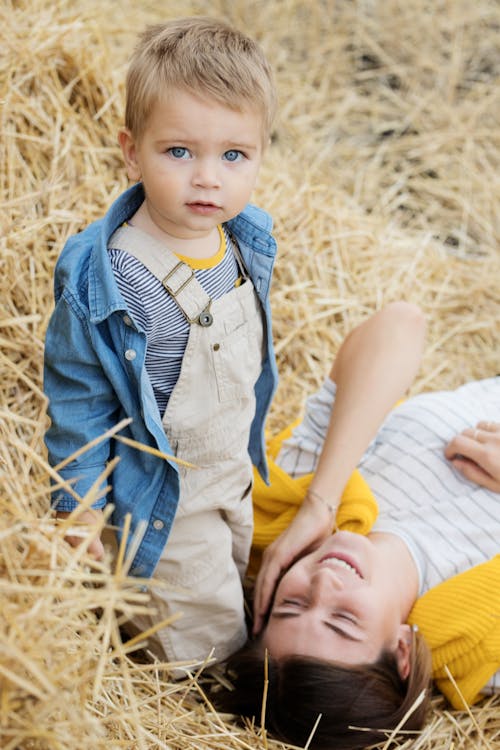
(383, 181)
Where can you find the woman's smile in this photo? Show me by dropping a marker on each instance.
(336, 561)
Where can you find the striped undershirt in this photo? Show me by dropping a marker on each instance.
(156, 313)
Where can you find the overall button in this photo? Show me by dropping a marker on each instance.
(127, 320)
(205, 319)
(130, 354)
(158, 525)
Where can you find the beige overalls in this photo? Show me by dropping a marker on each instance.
(207, 422)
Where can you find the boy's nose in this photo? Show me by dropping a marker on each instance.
(206, 174)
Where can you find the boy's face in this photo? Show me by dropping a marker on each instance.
(198, 161)
(336, 603)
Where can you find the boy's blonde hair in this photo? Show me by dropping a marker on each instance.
(205, 56)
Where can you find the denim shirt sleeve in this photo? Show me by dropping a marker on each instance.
(82, 401)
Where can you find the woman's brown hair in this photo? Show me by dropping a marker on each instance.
(359, 705)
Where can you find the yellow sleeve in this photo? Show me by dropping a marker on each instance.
(460, 620)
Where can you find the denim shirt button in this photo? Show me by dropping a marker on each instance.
(130, 354)
(158, 525)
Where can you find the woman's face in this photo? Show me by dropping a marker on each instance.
(336, 603)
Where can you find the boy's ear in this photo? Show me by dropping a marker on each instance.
(403, 651)
(129, 151)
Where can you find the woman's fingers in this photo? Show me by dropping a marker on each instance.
(489, 426)
(475, 452)
(264, 587)
(478, 434)
(465, 444)
(475, 473)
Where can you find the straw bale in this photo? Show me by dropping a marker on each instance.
(382, 177)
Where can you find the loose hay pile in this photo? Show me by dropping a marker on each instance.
(383, 181)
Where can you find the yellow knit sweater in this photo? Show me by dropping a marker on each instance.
(460, 618)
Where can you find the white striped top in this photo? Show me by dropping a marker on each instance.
(155, 311)
(448, 523)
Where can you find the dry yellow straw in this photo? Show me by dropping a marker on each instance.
(154, 451)
(382, 179)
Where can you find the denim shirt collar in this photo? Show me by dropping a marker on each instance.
(104, 296)
(252, 227)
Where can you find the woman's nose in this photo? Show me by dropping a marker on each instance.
(325, 583)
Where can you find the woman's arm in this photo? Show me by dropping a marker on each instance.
(375, 365)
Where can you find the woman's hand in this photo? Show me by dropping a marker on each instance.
(86, 518)
(476, 454)
(313, 523)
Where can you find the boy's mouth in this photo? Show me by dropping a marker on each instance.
(203, 207)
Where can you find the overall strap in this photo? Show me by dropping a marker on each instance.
(237, 255)
(176, 276)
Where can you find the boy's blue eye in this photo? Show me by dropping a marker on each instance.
(233, 155)
(179, 152)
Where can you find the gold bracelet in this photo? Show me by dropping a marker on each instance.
(316, 496)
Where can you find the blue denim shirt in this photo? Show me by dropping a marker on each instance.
(94, 376)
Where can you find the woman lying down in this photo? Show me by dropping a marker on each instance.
(355, 625)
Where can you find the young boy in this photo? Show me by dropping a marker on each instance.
(162, 316)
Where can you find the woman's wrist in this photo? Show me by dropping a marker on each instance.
(317, 499)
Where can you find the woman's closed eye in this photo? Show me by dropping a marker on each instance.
(345, 625)
(289, 606)
(293, 603)
(339, 616)
(346, 616)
